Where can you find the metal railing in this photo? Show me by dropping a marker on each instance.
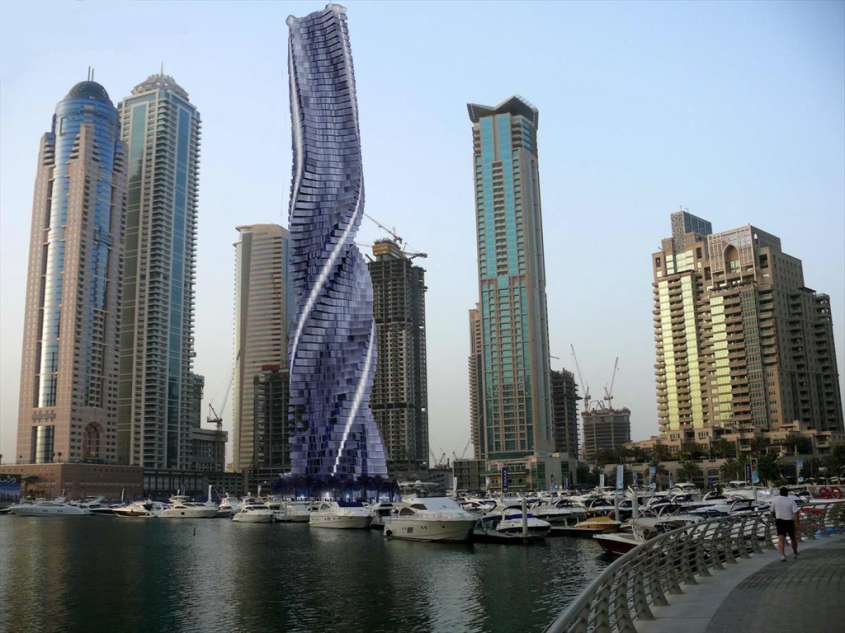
(652, 572)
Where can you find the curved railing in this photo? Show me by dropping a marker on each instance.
(650, 573)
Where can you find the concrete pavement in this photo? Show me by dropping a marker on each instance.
(763, 595)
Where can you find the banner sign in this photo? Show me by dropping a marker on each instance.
(620, 476)
(505, 480)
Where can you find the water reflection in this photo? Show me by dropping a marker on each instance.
(101, 574)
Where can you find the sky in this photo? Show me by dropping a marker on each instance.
(735, 111)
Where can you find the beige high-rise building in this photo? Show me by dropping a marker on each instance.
(261, 328)
(68, 388)
(744, 348)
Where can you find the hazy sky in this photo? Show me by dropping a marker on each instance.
(734, 110)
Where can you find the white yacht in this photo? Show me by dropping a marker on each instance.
(429, 519)
(140, 510)
(181, 507)
(380, 512)
(330, 514)
(253, 511)
(228, 506)
(56, 507)
(510, 524)
(293, 511)
(560, 512)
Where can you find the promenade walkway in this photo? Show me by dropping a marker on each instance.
(763, 595)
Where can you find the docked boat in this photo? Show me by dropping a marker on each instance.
(253, 511)
(330, 514)
(510, 524)
(622, 542)
(561, 512)
(56, 507)
(591, 526)
(140, 510)
(181, 507)
(430, 519)
(293, 511)
(228, 506)
(380, 512)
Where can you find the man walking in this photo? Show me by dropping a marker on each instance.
(785, 511)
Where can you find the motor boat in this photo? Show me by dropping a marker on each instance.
(181, 507)
(622, 542)
(140, 510)
(43, 508)
(510, 523)
(228, 506)
(478, 506)
(96, 505)
(292, 511)
(330, 514)
(253, 511)
(380, 512)
(560, 512)
(430, 519)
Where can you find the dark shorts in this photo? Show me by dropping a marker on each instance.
(785, 527)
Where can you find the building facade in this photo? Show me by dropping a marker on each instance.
(475, 369)
(261, 326)
(208, 446)
(744, 348)
(399, 399)
(333, 340)
(516, 400)
(271, 450)
(565, 411)
(161, 130)
(68, 387)
(605, 430)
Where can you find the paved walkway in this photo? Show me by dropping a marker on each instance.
(763, 595)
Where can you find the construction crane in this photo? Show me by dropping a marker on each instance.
(608, 392)
(464, 453)
(213, 416)
(581, 380)
(391, 232)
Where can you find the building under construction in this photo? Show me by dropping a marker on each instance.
(565, 411)
(399, 398)
(605, 429)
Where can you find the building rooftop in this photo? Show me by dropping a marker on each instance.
(160, 81)
(512, 105)
(89, 90)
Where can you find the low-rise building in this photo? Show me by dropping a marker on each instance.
(77, 480)
(469, 473)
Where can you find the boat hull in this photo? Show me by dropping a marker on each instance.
(252, 517)
(612, 544)
(189, 513)
(339, 521)
(41, 511)
(419, 530)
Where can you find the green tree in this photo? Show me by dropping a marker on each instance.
(661, 453)
(689, 471)
(768, 468)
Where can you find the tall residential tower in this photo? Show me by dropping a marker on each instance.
(516, 405)
(261, 335)
(68, 388)
(744, 349)
(399, 399)
(333, 345)
(161, 129)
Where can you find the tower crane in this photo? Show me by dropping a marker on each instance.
(213, 416)
(391, 232)
(581, 380)
(608, 392)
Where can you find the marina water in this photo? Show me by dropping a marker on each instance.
(102, 574)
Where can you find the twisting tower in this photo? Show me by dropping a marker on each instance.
(333, 343)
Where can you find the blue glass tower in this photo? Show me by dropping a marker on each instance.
(332, 343)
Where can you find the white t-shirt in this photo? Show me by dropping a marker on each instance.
(784, 508)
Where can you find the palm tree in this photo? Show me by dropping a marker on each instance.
(689, 471)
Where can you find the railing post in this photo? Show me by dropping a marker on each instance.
(768, 537)
(701, 566)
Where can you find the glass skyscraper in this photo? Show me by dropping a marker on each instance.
(161, 129)
(515, 403)
(68, 385)
(333, 341)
